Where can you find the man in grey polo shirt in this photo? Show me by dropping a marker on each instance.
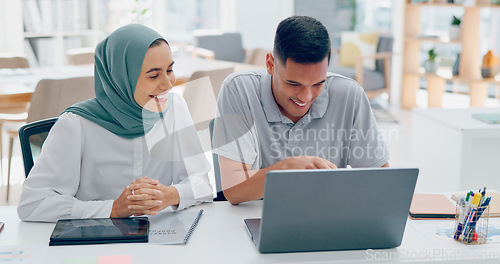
(294, 115)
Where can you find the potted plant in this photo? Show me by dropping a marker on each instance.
(430, 65)
(454, 31)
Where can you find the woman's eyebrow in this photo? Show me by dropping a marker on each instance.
(153, 69)
(158, 69)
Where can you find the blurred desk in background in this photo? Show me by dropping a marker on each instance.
(17, 85)
(454, 151)
(184, 67)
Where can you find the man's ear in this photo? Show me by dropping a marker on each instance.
(270, 63)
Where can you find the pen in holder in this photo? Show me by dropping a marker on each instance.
(471, 223)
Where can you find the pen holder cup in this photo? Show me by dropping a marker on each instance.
(471, 224)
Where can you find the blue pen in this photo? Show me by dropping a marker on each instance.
(476, 218)
(470, 227)
(471, 217)
(465, 226)
(483, 206)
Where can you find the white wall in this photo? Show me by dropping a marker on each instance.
(11, 27)
(255, 19)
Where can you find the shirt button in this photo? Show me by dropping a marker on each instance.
(137, 157)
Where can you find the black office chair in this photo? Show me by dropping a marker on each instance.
(32, 136)
(215, 158)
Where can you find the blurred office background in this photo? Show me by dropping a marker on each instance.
(51, 33)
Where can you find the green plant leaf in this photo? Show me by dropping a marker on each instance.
(432, 54)
(456, 21)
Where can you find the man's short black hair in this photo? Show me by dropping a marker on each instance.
(302, 39)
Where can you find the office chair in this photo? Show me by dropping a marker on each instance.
(51, 97)
(257, 57)
(215, 158)
(226, 46)
(80, 56)
(31, 137)
(14, 62)
(11, 112)
(374, 82)
(201, 95)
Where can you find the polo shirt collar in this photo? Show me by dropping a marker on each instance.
(318, 108)
(272, 111)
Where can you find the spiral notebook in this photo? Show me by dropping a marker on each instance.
(173, 227)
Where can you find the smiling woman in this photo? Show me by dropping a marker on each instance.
(156, 78)
(132, 150)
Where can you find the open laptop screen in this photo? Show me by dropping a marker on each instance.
(312, 210)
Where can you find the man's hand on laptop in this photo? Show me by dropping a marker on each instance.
(241, 184)
(304, 163)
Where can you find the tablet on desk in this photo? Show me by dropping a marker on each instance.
(100, 231)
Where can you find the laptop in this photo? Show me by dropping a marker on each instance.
(340, 209)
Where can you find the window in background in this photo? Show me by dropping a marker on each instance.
(436, 22)
(374, 16)
(116, 13)
(174, 18)
(348, 15)
(490, 40)
(489, 31)
(182, 17)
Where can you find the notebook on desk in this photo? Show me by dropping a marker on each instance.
(173, 227)
(431, 206)
(342, 209)
(490, 118)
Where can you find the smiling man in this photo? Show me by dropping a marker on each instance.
(294, 115)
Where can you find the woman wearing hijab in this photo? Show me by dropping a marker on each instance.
(132, 150)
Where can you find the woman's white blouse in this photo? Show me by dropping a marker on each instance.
(83, 167)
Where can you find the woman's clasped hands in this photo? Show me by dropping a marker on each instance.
(144, 196)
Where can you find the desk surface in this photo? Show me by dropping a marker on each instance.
(221, 237)
(17, 85)
(459, 118)
(184, 67)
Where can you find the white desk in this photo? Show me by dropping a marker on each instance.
(17, 85)
(185, 66)
(221, 237)
(455, 151)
